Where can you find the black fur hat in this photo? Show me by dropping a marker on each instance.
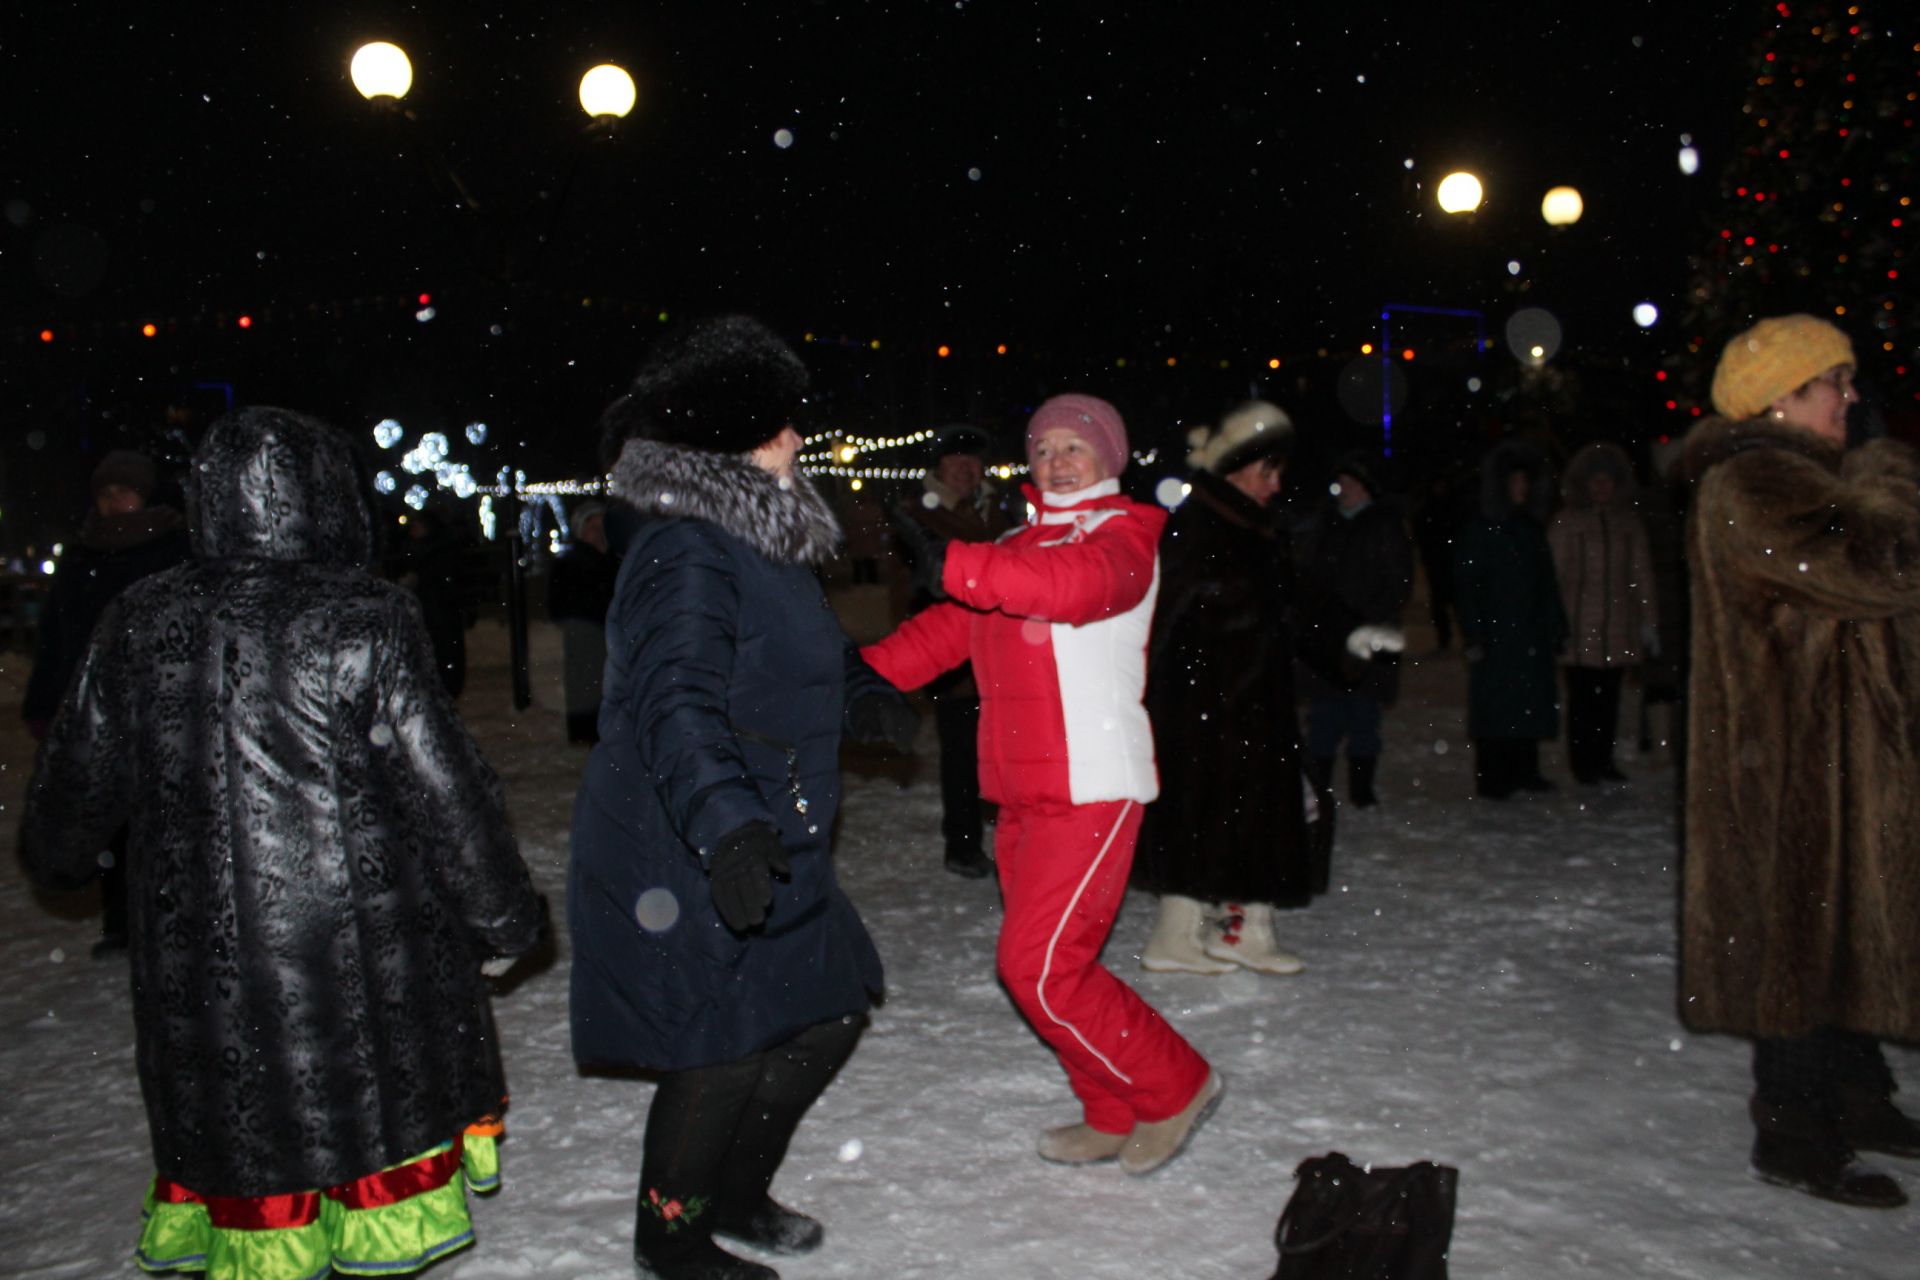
(726, 384)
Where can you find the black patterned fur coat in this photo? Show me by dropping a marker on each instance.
(319, 858)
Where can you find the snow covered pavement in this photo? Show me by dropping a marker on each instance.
(1488, 985)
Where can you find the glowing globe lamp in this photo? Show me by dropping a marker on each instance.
(607, 92)
(381, 70)
(1562, 207)
(1459, 193)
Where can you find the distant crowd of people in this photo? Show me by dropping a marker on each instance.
(313, 870)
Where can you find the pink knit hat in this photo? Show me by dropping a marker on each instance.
(1090, 418)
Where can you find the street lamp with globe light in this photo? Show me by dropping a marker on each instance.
(1459, 193)
(381, 70)
(1562, 207)
(383, 74)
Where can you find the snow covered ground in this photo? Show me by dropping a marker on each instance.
(1489, 985)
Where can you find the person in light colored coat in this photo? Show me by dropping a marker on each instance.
(1605, 570)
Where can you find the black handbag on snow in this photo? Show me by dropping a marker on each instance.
(1348, 1223)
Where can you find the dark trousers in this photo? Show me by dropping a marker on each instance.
(113, 889)
(1818, 1071)
(716, 1135)
(958, 720)
(1593, 714)
(1352, 716)
(1502, 766)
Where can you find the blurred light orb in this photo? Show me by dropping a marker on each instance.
(1459, 193)
(1170, 492)
(657, 910)
(1533, 335)
(851, 1150)
(1562, 207)
(385, 482)
(1689, 161)
(381, 70)
(387, 433)
(476, 433)
(1513, 267)
(783, 138)
(607, 92)
(1646, 315)
(1473, 384)
(416, 497)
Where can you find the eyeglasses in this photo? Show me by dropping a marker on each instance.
(1840, 378)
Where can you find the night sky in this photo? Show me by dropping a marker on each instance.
(1075, 179)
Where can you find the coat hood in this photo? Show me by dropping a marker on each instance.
(1600, 457)
(1503, 459)
(271, 484)
(786, 521)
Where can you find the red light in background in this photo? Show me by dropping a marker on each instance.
(46, 335)
(1001, 349)
(1673, 404)
(426, 299)
(1407, 354)
(245, 322)
(1660, 376)
(149, 329)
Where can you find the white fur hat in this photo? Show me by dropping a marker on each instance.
(1254, 431)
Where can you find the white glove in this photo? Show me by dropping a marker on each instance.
(1365, 642)
(497, 966)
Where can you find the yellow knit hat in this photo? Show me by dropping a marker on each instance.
(1775, 357)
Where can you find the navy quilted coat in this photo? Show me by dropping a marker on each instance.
(726, 686)
(318, 860)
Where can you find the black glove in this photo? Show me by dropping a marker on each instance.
(883, 720)
(937, 567)
(740, 875)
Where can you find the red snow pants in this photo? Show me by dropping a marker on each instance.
(1063, 873)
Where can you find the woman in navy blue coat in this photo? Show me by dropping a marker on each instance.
(711, 940)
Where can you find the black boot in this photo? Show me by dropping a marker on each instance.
(1802, 1147)
(698, 1259)
(772, 1227)
(1870, 1122)
(1492, 768)
(968, 862)
(1360, 771)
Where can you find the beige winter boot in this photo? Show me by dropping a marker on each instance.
(1080, 1144)
(1154, 1143)
(1246, 939)
(1174, 946)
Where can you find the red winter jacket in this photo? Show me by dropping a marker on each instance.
(1055, 618)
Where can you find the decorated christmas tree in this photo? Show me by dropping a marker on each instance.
(1816, 203)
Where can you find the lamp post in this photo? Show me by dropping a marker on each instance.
(383, 74)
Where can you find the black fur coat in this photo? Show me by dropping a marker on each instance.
(318, 858)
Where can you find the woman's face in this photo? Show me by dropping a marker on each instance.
(1259, 480)
(1065, 462)
(1821, 405)
(777, 454)
(1518, 486)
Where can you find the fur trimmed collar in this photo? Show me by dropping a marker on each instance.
(787, 522)
(1714, 440)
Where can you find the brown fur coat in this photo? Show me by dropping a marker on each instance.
(1801, 903)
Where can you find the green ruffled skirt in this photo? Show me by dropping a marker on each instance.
(385, 1224)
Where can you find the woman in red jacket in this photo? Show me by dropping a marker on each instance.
(1055, 618)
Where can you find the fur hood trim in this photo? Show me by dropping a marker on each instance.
(787, 522)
